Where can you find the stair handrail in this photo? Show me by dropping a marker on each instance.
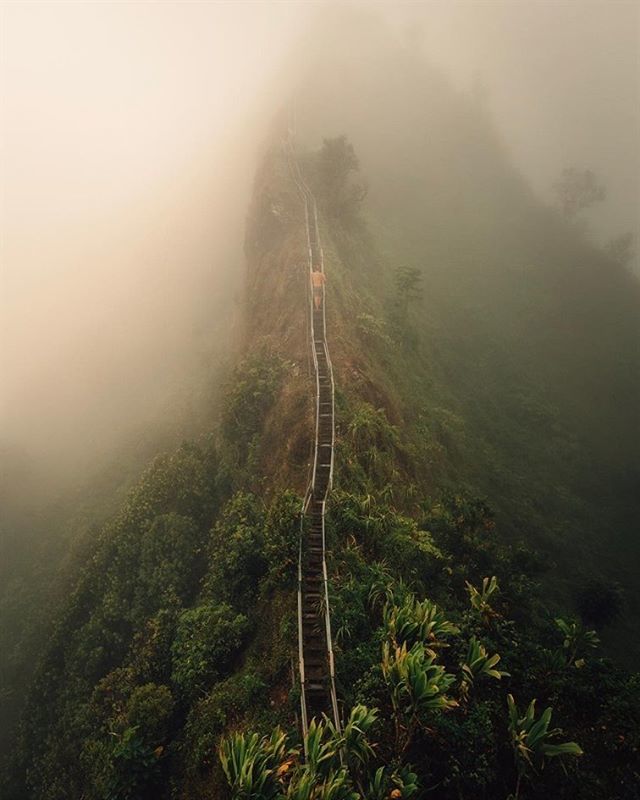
(308, 200)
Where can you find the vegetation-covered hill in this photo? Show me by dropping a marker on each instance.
(526, 334)
(486, 377)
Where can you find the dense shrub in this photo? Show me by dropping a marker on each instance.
(206, 644)
(237, 554)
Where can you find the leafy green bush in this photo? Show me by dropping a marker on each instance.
(532, 740)
(250, 393)
(171, 555)
(224, 705)
(282, 537)
(237, 554)
(206, 644)
(125, 762)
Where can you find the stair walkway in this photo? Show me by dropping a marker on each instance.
(317, 674)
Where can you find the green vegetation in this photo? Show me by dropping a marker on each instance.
(340, 195)
(206, 639)
(484, 488)
(430, 708)
(182, 629)
(530, 739)
(250, 394)
(144, 692)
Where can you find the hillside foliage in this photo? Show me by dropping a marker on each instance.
(484, 497)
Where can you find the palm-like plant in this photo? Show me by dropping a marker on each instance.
(416, 621)
(382, 586)
(394, 784)
(417, 686)
(577, 640)
(321, 748)
(336, 765)
(480, 598)
(478, 663)
(352, 741)
(251, 765)
(530, 739)
(553, 661)
(336, 786)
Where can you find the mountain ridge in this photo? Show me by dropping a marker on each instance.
(181, 626)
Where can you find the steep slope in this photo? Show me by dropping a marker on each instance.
(182, 624)
(526, 333)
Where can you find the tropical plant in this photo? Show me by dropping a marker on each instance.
(321, 747)
(480, 598)
(254, 767)
(335, 766)
(531, 740)
(382, 586)
(417, 687)
(577, 640)
(392, 784)
(478, 663)
(552, 662)
(353, 738)
(417, 621)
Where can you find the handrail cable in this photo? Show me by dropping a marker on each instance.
(315, 648)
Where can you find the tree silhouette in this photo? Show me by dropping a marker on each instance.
(336, 163)
(577, 190)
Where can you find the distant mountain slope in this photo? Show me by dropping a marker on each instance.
(528, 332)
(513, 376)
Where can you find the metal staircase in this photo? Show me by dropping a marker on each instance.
(315, 650)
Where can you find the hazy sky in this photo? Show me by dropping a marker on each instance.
(127, 133)
(563, 81)
(117, 178)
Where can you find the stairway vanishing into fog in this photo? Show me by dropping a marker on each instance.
(316, 666)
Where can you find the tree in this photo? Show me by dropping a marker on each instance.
(408, 282)
(620, 248)
(340, 194)
(577, 190)
(207, 639)
(408, 292)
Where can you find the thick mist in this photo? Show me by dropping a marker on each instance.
(130, 134)
(129, 140)
(563, 83)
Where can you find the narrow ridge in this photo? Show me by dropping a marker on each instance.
(316, 667)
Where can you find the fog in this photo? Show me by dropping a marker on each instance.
(130, 133)
(129, 141)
